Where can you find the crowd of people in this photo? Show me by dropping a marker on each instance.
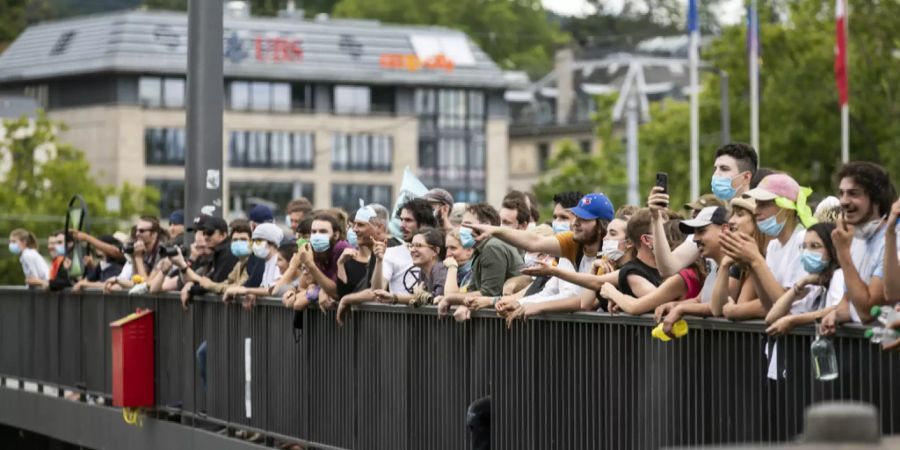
(760, 246)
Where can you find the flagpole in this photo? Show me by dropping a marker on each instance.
(754, 77)
(845, 108)
(693, 60)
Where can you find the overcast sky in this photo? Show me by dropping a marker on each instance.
(732, 10)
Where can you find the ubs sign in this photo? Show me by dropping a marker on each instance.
(265, 49)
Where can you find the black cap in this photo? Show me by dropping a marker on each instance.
(198, 223)
(213, 223)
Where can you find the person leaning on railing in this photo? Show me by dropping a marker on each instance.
(230, 251)
(264, 246)
(427, 252)
(815, 295)
(23, 244)
(734, 291)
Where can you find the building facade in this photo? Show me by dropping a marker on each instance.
(332, 110)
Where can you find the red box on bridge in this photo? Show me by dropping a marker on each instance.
(133, 360)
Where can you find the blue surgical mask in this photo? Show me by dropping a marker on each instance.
(466, 238)
(14, 248)
(320, 242)
(240, 248)
(60, 249)
(812, 261)
(352, 238)
(721, 188)
(770, 227)
(560, 226)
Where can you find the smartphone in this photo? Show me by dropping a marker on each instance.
(301, 242)
(662, 180)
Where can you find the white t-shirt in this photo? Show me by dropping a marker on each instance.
(127, 271)
(868, 257)
(555, 289)
(709, 283)
(586, 265)
(34, 265)
(271, 274)
(784, 260)
(398, 270)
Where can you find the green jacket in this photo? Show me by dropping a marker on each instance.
(494, 262)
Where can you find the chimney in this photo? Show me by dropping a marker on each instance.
(565, 91)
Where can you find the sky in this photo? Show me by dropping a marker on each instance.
(732, 10)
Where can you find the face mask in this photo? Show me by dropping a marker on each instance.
(352, 239)
(868, 230)
(611, 251)
(721, 188)
(240, 248)
(812, 261)
(60, 250)
(770, 227)
(14, 248)
(530, 259)
(560, 226)
(320, 242)
(261, 250)
(287, 220)
(466, 238)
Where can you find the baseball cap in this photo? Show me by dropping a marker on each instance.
(703, 201)
(198, 223)
(176, 218)
(745, 202)
(213, 223)
(261, 214)
(594, 206)
(438, 195)
(711, 215)
(269, 232)
(774, 186)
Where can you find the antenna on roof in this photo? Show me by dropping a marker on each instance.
(237, 9)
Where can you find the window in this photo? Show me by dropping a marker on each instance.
(362, 152)
(164, 146)
(244, 195)
(62, 43)
(452, 141)
(150, 92)
(302, 97)
(351, 99)
(173, 92)
(171, 195)
(271, 149)
(543, 155)
(347, 195)
(260, 96)
(156, 92)
(585, 146)
(383, 99)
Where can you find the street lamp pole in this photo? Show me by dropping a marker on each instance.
(203, 158)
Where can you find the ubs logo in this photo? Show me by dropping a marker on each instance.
(234, 48)
(166, 35)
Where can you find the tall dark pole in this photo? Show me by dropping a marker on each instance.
(726, 113)
(203, 160)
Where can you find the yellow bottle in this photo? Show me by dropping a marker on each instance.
(679, 329)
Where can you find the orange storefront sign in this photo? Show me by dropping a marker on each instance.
(412, 62)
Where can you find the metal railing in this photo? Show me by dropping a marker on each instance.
(396, 377)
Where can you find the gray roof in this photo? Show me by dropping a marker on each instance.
(350, 51)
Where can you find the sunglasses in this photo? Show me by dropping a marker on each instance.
(143, 230)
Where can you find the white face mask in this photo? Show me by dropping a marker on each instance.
(865, 232)
(260, 250)
(611, 251)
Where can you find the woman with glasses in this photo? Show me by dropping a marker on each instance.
(427, 251)
(818, 293)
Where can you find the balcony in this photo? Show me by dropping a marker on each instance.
(399, 378)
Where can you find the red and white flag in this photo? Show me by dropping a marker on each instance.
(840, 51)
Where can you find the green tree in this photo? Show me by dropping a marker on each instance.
(38, 176)
(517, 35)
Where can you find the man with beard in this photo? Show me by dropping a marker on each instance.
(580, 246)
(866, 193)
(441, 203)
(394, 268)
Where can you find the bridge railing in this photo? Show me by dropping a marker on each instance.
(397, 377)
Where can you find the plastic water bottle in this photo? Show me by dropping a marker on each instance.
(679, 329)
(885, 314)
(824, 360)
(881, 335)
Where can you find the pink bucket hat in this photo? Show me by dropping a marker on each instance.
(774, 186)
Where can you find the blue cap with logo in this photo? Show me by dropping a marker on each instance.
(594, 206)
